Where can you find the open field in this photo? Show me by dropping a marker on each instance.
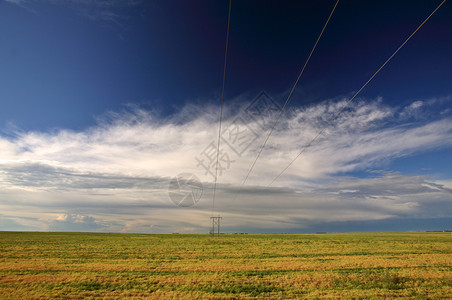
(359, 265)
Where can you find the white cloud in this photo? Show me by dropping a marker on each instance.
(75, 222)
(412, 110)
(114, 176)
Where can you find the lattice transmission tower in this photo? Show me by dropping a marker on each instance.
(215, 225)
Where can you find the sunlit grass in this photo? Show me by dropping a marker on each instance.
(75, 265)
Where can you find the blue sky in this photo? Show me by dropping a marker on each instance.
(104, 102)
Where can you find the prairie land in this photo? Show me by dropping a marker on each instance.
(108, 265)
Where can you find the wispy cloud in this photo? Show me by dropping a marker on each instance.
(114, 176)
(18, 2)
(111, 13)
(22, 3)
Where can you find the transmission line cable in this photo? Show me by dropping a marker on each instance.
(354, 96)
(221, 108)
(288, 97)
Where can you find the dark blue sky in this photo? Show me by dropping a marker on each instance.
(103, 102)
(62, 65)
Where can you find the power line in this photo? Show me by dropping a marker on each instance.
(354, 96)
(221, 108)
(288, 97)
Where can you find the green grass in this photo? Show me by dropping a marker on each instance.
(104, 265)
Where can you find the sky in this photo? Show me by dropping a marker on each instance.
(109, 107)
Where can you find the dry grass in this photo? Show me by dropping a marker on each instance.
(89, 265)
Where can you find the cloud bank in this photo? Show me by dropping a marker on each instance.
(114, 176)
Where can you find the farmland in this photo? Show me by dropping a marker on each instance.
(93, 265)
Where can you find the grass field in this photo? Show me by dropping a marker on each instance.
(359, 265)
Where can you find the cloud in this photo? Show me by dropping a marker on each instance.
(75, 222)
(14, 223)
(18, 2)
(412, 110)
(111, 13)
(23, 4)
(426, 109)
(115, 176)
